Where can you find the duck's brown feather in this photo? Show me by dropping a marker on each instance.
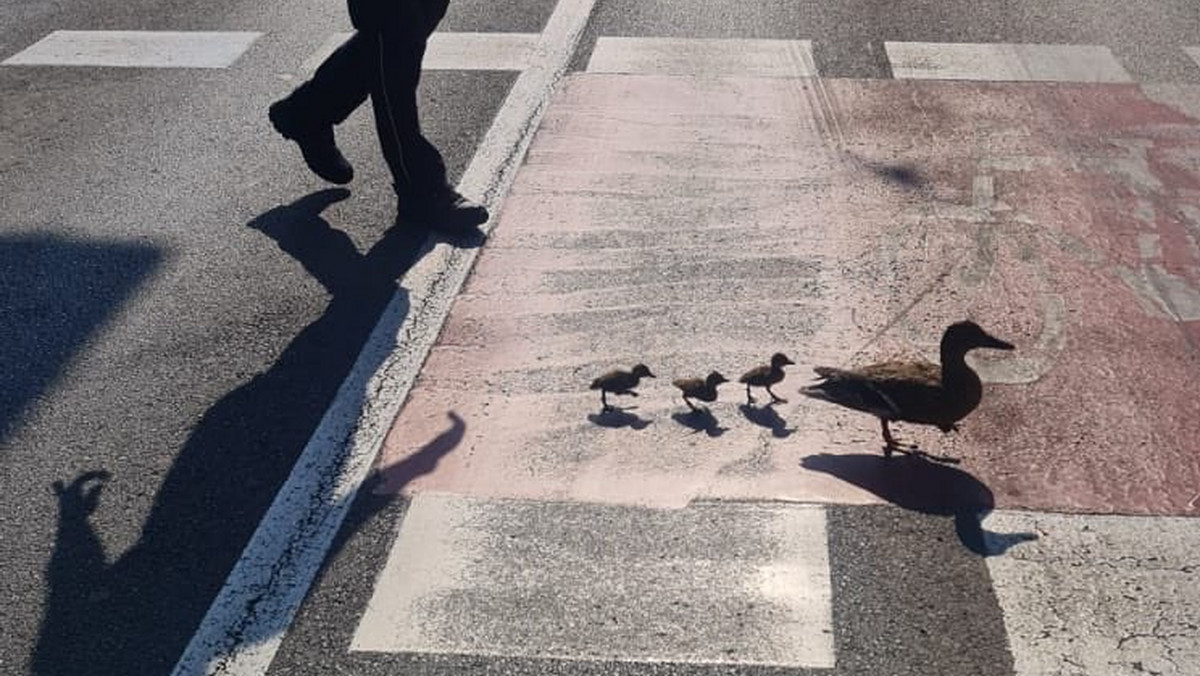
(615, 381)
(910, 391)
(761, 376)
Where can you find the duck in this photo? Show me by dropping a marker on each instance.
(619, 382)
(704, 389)
(766, 376)
(913, 391)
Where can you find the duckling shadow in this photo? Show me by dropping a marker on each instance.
(912, 482)
(700, 420)
(765, 416)
(618, 418)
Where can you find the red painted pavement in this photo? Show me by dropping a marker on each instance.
(696, 224)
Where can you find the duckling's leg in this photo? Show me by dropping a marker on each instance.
(749, 397)
(775, 399)
(689, 403)
(605, 407)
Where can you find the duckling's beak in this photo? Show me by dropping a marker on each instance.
(996, 343)
(649, 374)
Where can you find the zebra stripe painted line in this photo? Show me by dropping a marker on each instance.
(703, 56)
(1099, 595)
(713, 583)
(1004, 62)
(136, 49)
(455, 51)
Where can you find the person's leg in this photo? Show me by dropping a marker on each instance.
(308, 114)
(418, 170)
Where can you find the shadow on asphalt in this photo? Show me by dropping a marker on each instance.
(54, 294)
(917, 484)
(135, 614)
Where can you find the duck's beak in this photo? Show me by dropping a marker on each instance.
(996, 343)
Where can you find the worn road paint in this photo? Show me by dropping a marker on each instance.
(711, 57)
(656, 221)
(1004, 62)
(136, 49)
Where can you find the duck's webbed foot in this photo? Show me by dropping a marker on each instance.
(890, 443)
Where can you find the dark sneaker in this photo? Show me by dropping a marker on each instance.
(449, 213)
(316, 143)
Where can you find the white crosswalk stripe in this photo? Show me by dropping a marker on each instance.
(455, 51)
(136, 49)
(1088, 592)
(712, 57)
(715, 583)
(716, 57)
(1004, 62)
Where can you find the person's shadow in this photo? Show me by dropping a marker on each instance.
(136, 614)
(915, 483)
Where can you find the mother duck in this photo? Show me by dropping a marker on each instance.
(912, 391)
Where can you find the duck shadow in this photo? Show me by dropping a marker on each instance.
(618, 418)
(914, 483)
(765, 416)
(700, 420)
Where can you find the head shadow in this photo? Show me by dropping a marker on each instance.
(135, 612)
(917, 484)
(766, 416)
(700, 420)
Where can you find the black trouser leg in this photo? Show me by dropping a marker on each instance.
(339, 85)
(399, 46)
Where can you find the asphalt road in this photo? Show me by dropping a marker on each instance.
(165, 322)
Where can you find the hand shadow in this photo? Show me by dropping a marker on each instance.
(700, 420)
(617, 418)
(765, 416)
(916, 484)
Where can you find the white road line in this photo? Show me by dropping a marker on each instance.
(703, 56)
(455, 51)
(1099, 595)
(245, 624)
(136, 49)
(713, 583)
(1004, 62)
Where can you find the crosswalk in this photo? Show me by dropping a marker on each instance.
(988, 62)
(550, 540)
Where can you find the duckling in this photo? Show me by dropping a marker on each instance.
(704, 389)
(913, 391)
(619, 382)
(766, 376)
